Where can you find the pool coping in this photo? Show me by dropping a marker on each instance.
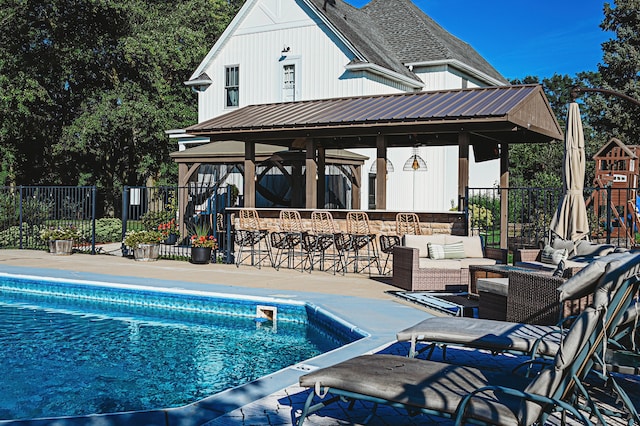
(389, 317)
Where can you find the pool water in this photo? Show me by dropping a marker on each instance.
(69, 356)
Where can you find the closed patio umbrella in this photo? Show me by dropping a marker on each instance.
(570, 221)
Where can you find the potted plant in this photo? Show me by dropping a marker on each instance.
(202, 244)
(169, 231)
(145, 244)
(60, 238)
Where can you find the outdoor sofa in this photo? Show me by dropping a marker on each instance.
(575, 255)
(440, 261)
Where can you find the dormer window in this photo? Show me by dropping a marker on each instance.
(232, 85)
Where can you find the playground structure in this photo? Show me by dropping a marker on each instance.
(616, 188)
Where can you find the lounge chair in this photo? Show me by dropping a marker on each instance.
(487, 397)
(499, 336)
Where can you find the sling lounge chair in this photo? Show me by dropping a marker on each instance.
(485, 397)
(500, 336)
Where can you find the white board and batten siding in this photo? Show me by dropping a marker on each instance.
(268, 35)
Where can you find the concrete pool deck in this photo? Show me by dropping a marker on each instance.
(275, 399)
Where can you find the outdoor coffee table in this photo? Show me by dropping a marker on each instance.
(491, 271)
(492, 302)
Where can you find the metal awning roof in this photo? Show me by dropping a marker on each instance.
(512, 114)
(233, 151)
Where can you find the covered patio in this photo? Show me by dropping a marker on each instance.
(488, 119)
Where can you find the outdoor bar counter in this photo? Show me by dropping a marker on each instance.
(380, 221)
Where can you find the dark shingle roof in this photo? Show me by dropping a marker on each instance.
(391, 33)
(359, 29)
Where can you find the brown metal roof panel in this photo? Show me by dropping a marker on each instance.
(501, 102)
(481, 103)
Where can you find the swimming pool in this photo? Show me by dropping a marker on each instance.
(117, 338)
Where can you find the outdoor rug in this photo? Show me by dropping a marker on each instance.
(454, 304)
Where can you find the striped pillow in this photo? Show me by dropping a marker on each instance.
(436, 251)
(553, 256)
(454, 250)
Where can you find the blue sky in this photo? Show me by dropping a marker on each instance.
(525, 38)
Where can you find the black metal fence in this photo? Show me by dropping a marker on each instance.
(157, 208)
(611, 211)
(28, 211)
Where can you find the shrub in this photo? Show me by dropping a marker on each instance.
(60, 232)
(108, 230)
(481, 217)
(135, 238)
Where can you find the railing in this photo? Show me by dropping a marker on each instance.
(25, 211)
(611, 213)
(175, 211)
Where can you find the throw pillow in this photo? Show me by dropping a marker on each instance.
(436, 251)
(553, 256)
(454, 250)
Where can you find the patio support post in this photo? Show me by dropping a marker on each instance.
(381, 172)
(321, 183)
(504, 194)
(249, 174)
(463, 167)
(355, 187)
(311, 172)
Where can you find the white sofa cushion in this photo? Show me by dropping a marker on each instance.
(472, 244)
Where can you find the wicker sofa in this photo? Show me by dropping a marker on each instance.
(580, 254)
(414, 270)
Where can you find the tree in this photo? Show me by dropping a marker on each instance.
(88, 87)
(620, 71)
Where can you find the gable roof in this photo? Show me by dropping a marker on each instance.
(389, 34)
(613, 142)
(361, 31)
(418, 39)
(513, 114)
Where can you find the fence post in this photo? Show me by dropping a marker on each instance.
(20, 217)
(93, 219)
(609, 224)
(465, 209)
(228, 246)
(125, 215)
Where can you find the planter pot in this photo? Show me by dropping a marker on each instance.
(146, 252)
(200, 255)
(61, 247)
(171, 239)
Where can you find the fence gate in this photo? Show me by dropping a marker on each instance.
(174, 211)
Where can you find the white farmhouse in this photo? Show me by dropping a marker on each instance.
(296, 50)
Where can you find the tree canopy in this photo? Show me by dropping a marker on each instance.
(603, 116)
(88, 87)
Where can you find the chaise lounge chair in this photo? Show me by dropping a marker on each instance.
(486, 397)
(500, 336)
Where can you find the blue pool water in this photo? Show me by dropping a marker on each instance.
(69, 348)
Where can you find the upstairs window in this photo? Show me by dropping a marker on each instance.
(289, 83)
(232, 85)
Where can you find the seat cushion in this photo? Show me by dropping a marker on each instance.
(464, 263)
(426, 263)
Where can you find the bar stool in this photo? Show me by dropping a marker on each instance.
(288, 238)
(361, 237)
(406, 223)
(250, 234)
(326, 242)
